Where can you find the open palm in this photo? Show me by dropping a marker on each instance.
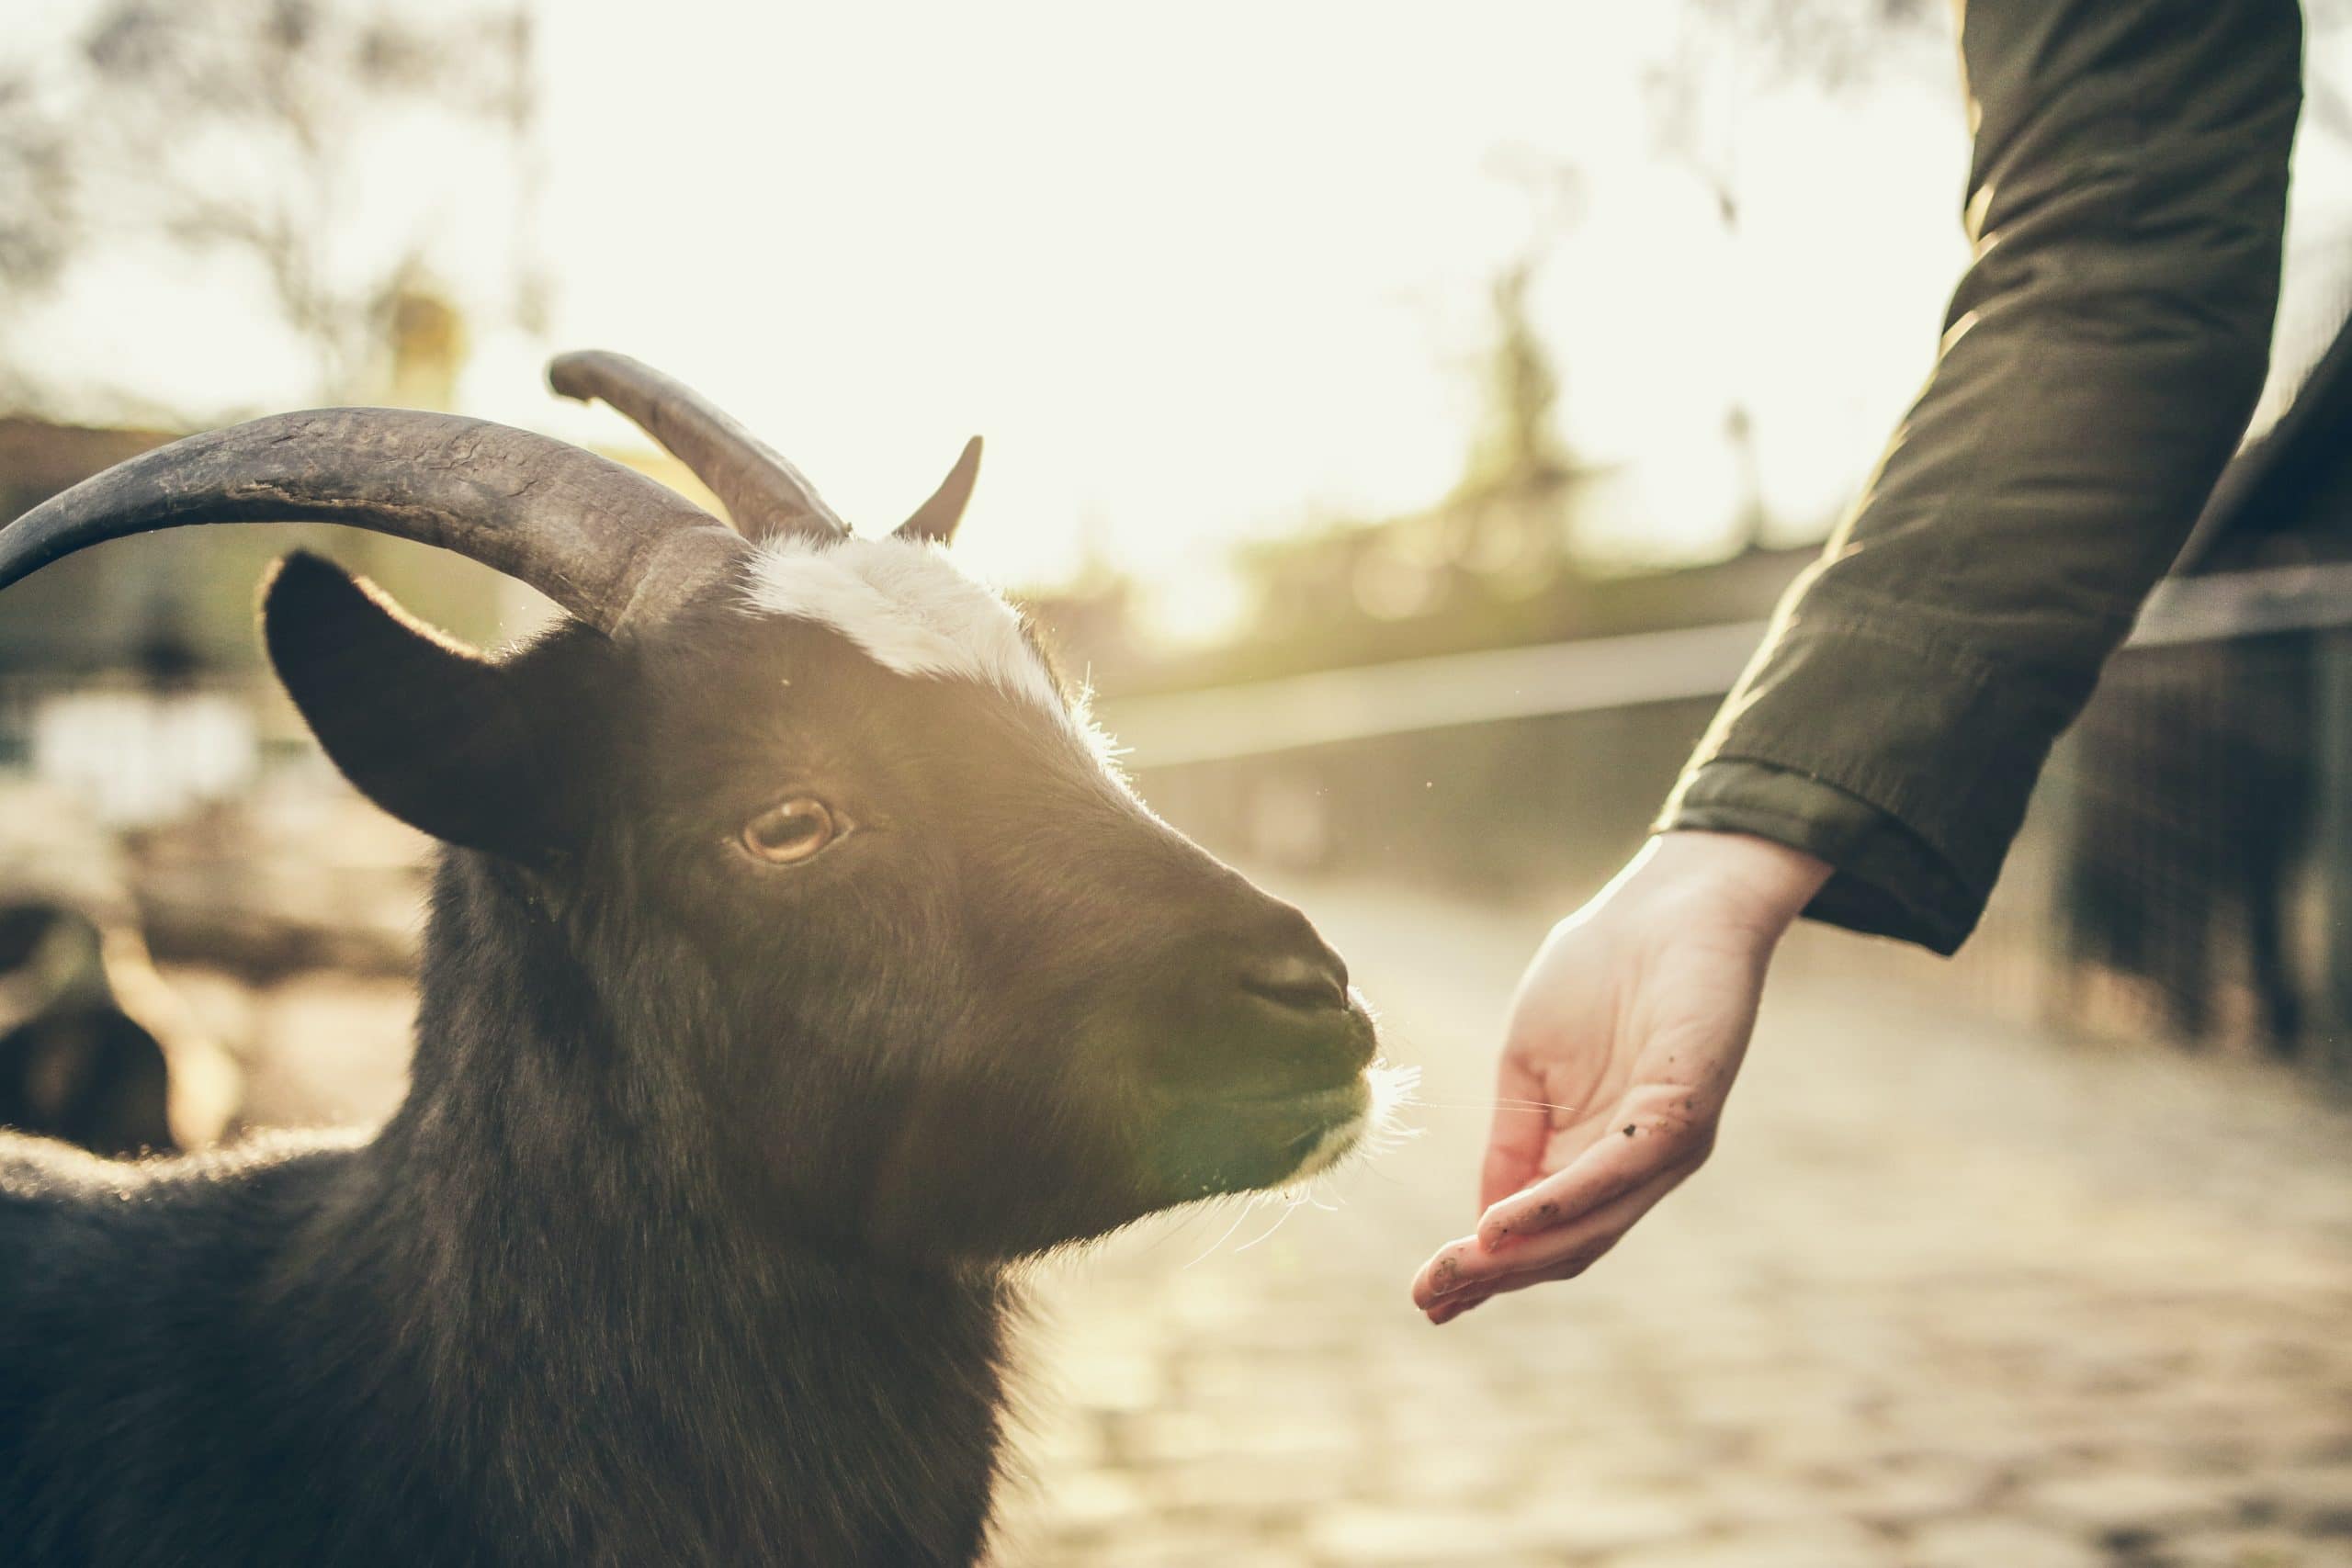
(1622, 1043)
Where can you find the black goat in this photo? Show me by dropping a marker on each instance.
(797, 966)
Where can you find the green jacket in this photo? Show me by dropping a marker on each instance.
(2100, 361)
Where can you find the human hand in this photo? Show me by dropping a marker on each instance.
(1622, 1045)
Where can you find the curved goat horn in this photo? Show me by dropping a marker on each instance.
(763, 493)
(935, 520)
(610, 546)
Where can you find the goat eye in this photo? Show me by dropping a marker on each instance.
(793, 831)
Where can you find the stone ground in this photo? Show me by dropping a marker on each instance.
(1947, 1295)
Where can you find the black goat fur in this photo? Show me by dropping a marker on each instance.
(521, 1326)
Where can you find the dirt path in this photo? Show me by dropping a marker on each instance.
(1947, 1295)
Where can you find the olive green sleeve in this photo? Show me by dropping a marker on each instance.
(2099, 360)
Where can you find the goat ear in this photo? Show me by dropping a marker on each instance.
(431, 731)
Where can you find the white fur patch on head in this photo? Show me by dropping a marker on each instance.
(907, 605)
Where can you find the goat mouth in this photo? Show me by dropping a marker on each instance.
(1208, 1144)
(1318, 1152)
(1328, 1123)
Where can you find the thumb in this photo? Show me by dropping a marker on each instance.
(1522, 1129)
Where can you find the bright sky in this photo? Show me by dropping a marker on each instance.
(1195, 273)
(1201, 272)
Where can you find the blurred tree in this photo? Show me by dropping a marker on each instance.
(238, 127)
(33, 185)
(1721, 48)
(1517, 448)
(1832, 42)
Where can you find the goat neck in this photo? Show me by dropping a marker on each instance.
(621, 1353)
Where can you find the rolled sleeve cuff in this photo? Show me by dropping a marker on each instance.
(1886, 882)
(1901, 758)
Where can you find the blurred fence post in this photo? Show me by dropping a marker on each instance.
(2331, 849)
(2058, 810)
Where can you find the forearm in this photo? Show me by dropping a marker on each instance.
(2101, 355)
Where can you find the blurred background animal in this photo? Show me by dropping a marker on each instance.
(74, 1065)
(95, 1047)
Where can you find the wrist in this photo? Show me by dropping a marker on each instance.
(1756, 881)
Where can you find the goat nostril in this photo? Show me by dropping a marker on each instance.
(1309, 982)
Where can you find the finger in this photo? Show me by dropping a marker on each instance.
(1468, 1265)
(1448, 1308)
(1453, 1306)
(1442, 1275)
(1515, 1143)
(1652, 1132)
(1572, 1248)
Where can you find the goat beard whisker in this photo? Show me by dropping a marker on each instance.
(1407, 1096)
(1394, 1087)
(1290, 1197)
(1250, 1203)
(1292, 1200)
